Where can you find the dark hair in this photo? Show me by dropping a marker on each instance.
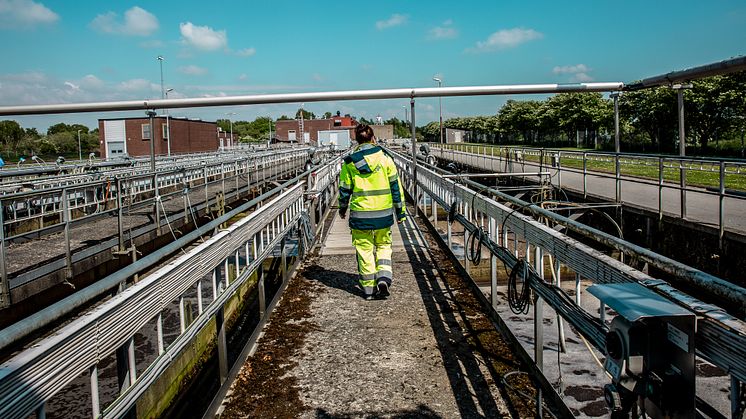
(363, 133)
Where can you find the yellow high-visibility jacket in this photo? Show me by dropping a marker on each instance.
(369, 186)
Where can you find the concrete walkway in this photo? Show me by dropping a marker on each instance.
(425, 352)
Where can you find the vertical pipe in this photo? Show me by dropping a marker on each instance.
(151, 115)
(617, 179)
(577, 288)
(238, 264)
(682, 150)
(617, 141)
(199, 297)
(560, 321)
(226, 269)
(735, 397)
(159, 333)
(157, 200)
(120, 215)
(538, 326)
(414, 154)
(602, 312)
(660, 188)
(182, 315)
(493, 263)
(41, 411)
(68, 251)
(4, 286)
(261, 292)
(95, 402)
(559, 170)
(222, 344)
(214, 284)
(131, 360)
(585, 175)
(721, 209)
(283, 261)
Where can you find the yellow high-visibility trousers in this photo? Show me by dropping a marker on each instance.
(373, 248)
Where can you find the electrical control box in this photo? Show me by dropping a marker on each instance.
(649, 353)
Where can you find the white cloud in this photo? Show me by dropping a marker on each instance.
(246, 52)
(445, 31)
(203, 37)
(579, 72)
(506, 38)
(20, 13)
(193, 70)
(395, 20)
(137, 22)
(570, 69)
(71, 85)
(243, 76)
(137, 85)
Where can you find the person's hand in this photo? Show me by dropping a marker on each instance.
(342, 213)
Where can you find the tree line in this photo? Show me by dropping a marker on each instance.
(59, 140)
(715, 112)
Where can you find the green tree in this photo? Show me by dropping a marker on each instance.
(327, 115)
(306, 114)
(11, 135)
(715, 105)
(520, 117)
(652, 111)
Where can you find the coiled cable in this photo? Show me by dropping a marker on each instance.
(519, 299)
(474, 245)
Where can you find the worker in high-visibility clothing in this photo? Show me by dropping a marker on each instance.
(369, 186)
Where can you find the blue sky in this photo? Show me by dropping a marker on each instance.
(85, 50)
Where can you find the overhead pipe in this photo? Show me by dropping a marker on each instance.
(406, 93)
(714, 69)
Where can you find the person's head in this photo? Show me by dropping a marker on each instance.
(364, 134)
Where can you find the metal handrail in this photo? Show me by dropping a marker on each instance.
(721, 338)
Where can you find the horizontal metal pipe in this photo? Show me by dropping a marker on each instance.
(63, 307)
(468, 175)
(721, 67)
(407, 93)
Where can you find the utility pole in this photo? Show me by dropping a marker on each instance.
(440, 107)
(160, 60)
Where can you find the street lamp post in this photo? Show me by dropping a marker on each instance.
(168, 127)
(80, 150)
(160, 61)
(440, 107)
(231, 121)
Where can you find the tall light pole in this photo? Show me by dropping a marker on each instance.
(440, 107)
(160, 61)
(406, 115)
(168, 127)
(231, 121)
(80, 150)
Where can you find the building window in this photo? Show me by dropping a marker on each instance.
(145, 131)
(165, 131)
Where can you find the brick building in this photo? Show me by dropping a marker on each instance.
(131, 136)
(290, 130)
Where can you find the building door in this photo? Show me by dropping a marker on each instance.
(291, 136)
(114, 149)
(306, 137)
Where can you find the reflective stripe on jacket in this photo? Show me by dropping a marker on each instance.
(369, 186)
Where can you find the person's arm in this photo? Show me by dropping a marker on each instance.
(345, 189)
(397, 192)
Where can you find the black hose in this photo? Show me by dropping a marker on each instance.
(519, 300)
(474, 247)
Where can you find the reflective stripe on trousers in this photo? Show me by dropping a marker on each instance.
(373, 248)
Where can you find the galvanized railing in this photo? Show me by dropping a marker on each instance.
(224, 262)
(720, 337)
(721, 178)
(36, 213)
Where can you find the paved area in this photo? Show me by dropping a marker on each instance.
(701, 207)
(425, 352)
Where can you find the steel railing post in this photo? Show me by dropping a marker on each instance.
(585, 175)
(617, 179)
(538, 325)
(660, 188)
(95, 402)
(68, 250)
(4, 286)
(721, 205)
(222, 344)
